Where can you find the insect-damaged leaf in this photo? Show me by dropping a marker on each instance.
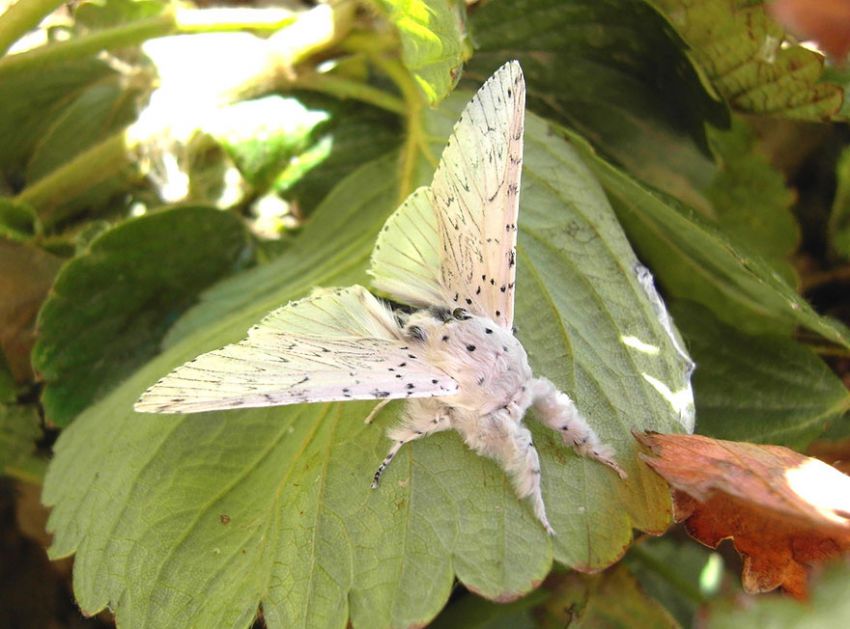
(750, 60)
(784, 511)
(221, 512)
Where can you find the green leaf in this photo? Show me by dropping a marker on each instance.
(20, 428)
(611, 599)
(110, 306)
(31, 103)
(669, 571)
(353, 135)
(751, 61)
(263, 135)
(228, 510)
(614, 72)
(762, 389)
(829, 606)
(99, 14)
(839, 219)
(750, 199)
(102, 108)
(8, 387)
(17, 220)
(432, 41)
(473, 612)
(693, 260)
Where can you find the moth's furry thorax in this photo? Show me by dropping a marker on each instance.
(486, 360)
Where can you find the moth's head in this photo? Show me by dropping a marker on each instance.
(439, 320)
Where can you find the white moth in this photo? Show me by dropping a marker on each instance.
(449, 250)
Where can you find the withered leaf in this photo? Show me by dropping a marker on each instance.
(784, 511)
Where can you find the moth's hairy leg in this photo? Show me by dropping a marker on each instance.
(419, 421)
(378, 407)
(556, 410)
(501, 437)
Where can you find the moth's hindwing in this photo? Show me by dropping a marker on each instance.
(406, 258)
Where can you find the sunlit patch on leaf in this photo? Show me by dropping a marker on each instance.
(432, 41)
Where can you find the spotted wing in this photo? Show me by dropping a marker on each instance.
(335, 345)
(475, 194)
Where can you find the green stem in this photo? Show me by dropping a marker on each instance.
(123, 36)
(344, 88)
(688, 590)
(22, 17)
(50, 194)
(414, 141)
(313, 30)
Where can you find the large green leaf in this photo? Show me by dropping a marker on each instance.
(194, 520)
(750, 60)
(110, 306)
(763, 389)
(432, 41)
(694, 260)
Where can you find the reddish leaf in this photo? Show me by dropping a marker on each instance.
(836, 453)
(783, 511)
(826, 21)
(26, 277)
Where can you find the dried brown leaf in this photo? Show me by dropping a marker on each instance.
(783, 511)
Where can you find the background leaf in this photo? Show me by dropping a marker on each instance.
(27, 276)
(839, 220)
(828, 607)
(20, 428)
(750, 199)
(694, 260)
(763, 389)
(109, 307)
(750, 60)
(432, 41)
(257, 488)
(617, 74)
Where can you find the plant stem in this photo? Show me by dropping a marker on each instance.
(344, 88)
(139, 31)
(414, 141)
(22, 17)
(688, 590)
(50, 194)
(123, 36)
